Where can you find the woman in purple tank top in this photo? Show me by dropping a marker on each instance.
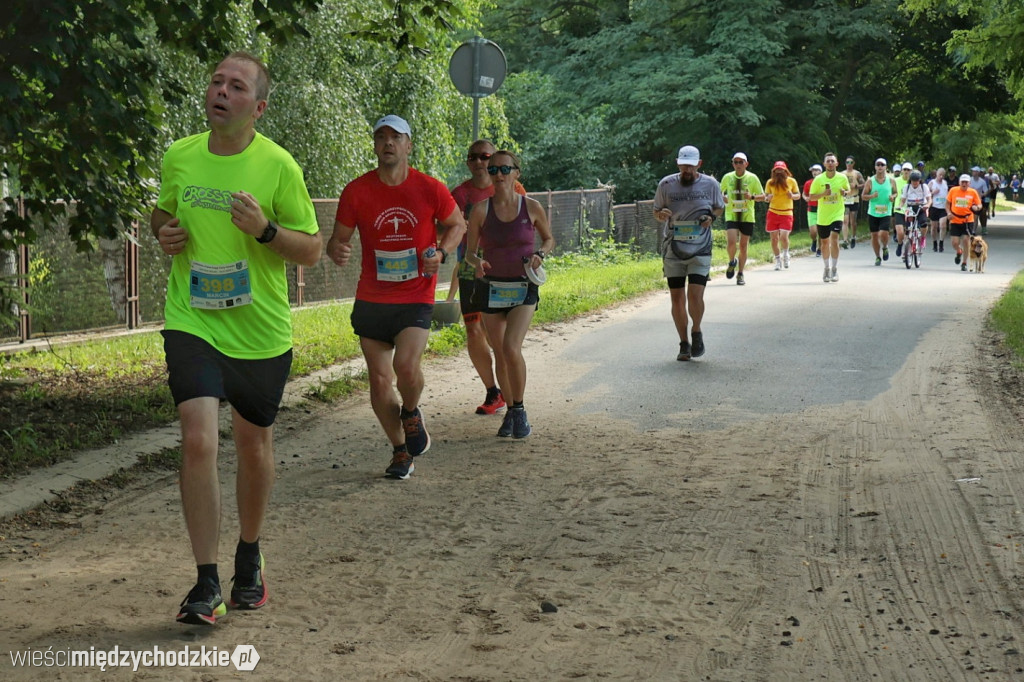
(506, 227)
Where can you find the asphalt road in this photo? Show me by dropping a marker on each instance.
(786, 340)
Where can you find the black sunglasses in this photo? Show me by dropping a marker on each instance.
(481, 156)
(505, 170)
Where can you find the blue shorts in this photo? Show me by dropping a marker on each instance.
(198, 370)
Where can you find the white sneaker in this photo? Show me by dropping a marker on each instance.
(778, 262)
(835, 277)
(785, 260)
(826, 277)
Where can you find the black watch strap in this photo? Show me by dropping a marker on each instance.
(269, 232)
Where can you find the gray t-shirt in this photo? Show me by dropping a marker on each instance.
(687, 203)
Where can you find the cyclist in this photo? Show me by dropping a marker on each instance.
(916, 195)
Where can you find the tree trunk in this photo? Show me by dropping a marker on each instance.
(114, 272)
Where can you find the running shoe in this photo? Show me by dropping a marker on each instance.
(814, 246)
(203, 605)
(505, 430)
(984, 233)
(731, 270)
(835, 275)
(778, 262)
(853, 241)
(248, 589)
(845, 244)
(785, 260)
(492, 403)
(899, 249)
(941, 247)
(739, 279)
(826, 277)
(963, 268)
(401, 466)
(878, 261)
(956, 261)
(935, 246)
(520, 424)
(697, 348)
(684, 351)
(417, 440)
(885, 253)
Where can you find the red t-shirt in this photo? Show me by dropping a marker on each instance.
(395, 225)
(807, 190)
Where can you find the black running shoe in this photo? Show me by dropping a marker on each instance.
(697, 345)
(417, 440)
(731, 270)
(520, 424)
(248, 588)
(684, 351)
(203, 605)
(401, 466)
(957, 259)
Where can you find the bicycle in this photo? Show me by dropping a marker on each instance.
(914, 235)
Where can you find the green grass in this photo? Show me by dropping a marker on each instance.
(1008, 317)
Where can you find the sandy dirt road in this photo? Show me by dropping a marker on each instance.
(875, 540)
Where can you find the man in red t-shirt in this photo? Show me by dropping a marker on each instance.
(812, 210)
(397, 210)
(478, 188)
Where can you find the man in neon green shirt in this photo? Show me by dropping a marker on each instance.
(740, 189)
(233, 210)
(828, 189)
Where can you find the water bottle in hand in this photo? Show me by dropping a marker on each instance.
(429, 253)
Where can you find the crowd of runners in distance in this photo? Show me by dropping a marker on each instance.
(885, 195)
(907, 197)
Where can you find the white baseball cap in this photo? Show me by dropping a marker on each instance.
(688, 156)
(816, 167)
(396, 123)
(898, 167)
(739, 155)
(965, 178)
(882, 161)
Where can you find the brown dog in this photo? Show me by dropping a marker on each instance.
(978, 253)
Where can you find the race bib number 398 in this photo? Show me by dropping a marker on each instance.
(216, 287)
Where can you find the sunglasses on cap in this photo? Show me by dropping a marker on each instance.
(479, 156)
(505, 170)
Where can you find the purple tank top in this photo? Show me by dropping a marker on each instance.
(506, 244)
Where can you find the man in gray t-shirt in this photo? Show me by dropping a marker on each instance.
(685, 205)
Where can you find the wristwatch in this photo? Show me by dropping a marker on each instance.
(444, 254)
(269, 232)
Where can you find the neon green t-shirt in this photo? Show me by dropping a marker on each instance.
(225, 287)
(901, 182)
(738, 208)
(830, 207)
